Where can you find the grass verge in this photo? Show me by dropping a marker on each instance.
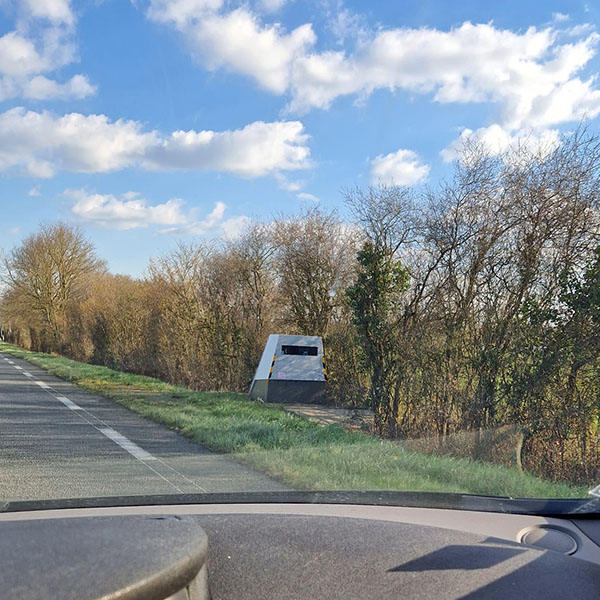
(301, 453)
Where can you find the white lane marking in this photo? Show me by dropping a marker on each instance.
(139, 453)
(68, 403)
(126, 444)
(142, 460)
(10, 362)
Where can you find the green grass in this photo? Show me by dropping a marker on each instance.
(301, 453)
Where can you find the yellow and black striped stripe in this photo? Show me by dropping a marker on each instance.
(324, 368)
(272, 365)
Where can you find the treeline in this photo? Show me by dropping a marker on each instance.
(468, 307)
(202, 313)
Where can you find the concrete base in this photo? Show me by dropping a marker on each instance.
(286, 390)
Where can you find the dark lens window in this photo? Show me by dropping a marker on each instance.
(300, 350)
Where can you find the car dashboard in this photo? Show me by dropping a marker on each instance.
(296, 551)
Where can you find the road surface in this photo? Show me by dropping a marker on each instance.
(59, 441)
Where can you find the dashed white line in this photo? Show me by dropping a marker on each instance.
(119, 439)
(109, 432)
(68, 403)
(126, 444)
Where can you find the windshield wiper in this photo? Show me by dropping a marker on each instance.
(530, 506)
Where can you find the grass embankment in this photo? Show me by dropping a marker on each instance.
(294, 450)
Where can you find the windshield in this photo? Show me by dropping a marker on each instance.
(283, 247)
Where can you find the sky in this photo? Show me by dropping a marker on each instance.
(147, 122)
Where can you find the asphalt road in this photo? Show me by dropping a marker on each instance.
(59, 441)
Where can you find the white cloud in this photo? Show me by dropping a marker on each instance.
(42, 88)
(257, 149)
(403, 167)
(180, 12)
(288, 185)
(125, 213)
(271, 6)
(291, 186)
(19, 57)
(239, 42)
(306, 196)
(234, 227)
(34, 191)
(560, 17)
(346, 24)
(498, 140)
(41, 43)
(130, 211)
(533, 75)
(528, 74)
(214, 222)
(236, 40)
(295, 186)
(39, 144)
(56, 11)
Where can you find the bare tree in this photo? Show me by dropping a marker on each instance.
(49, 270)
(314, 263)
(178, 287)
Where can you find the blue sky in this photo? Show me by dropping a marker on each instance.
(150, 121)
